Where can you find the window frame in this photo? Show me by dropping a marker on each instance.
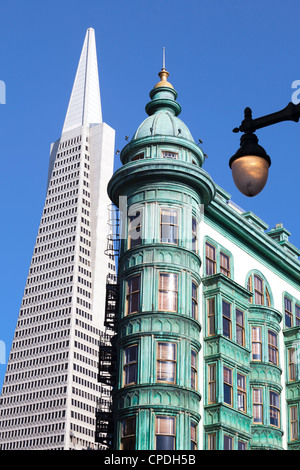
(294, 433)
(134, 229)
(297, 311)
(222, 267)
(169, 154)
(256, 342)
(258, 404)
(194, 300)
(292, 365)
(273, 408)
(264, 293)
(288, 313)
(157, 433)
(131, 293)
(293, 312)
(194, 370)
(194, 235)
(211, 317)
(138, 156)
(127, 365)
(162, 291)
(241, 392)
(211, 260)
(256, 291)
(128, 436)
(194, 440)
(212, 441)
(228, 385)
(227, 319)
(164, 224)
(212, 383)
(230, 439)
(214, 256)
(172, 362)
(240, 327)
(273, 348)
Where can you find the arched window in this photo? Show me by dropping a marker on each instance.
(257, 284)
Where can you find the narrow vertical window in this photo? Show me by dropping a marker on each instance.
(242, 445)
(228, 442)
(268, 298)
(210, 258)
(241, 392)
(224, 264)
(166, 362)
(168, 292)
(193, 436)
(249, 287)
(133, 294)
(134, 229)
(258, 290)
(212, 441)
(256, 343)
(257, 406)
(294, 423)
(211, 317)
(169, 226)
(292, 364)
(194, 235)
(240, 330)
(212, 385)
(194, 300)
(272, 347)
(128, 434)
(130, 365)
(227, 385)
(274, 409)
(194, 369)
(297, 314)
(226, 310)
(288, 312)
(165, 433)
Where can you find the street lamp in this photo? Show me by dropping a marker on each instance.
(250, 164)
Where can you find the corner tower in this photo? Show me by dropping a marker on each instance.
(160, 190)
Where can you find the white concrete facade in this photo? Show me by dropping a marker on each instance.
(243, 261)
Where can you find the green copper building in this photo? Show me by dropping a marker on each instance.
(209, 320)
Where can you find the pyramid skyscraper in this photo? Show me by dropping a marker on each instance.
(50, 390)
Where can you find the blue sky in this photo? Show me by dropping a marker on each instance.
(222, 55)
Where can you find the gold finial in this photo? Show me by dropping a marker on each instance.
(163, 74)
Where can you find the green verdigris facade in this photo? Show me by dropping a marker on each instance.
(199, 353)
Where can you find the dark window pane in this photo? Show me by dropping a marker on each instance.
(228, 443)
(165, 442)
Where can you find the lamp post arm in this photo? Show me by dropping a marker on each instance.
(290, 113)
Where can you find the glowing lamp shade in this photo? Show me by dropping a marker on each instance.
(250, 166)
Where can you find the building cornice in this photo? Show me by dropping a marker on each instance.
(253, 239)
(152, 170)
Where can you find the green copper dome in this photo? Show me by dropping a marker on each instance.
(163, 123)
(163, 110)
